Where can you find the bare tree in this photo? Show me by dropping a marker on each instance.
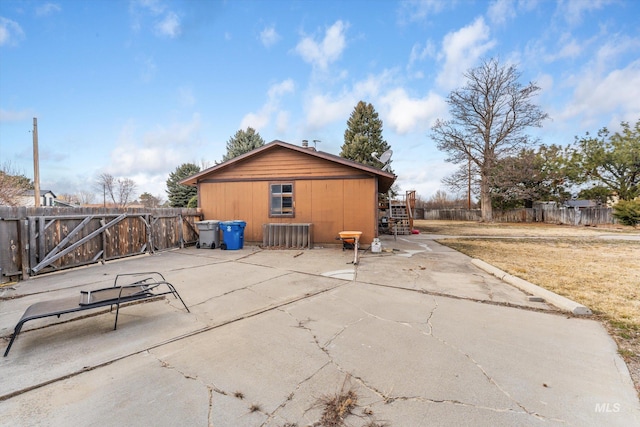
(104, 184)
(442, 200)
(126, 188)
(489, 117)
(85, 197)
(119, 191)
(12, 185)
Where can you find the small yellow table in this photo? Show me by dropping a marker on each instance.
(353, 236)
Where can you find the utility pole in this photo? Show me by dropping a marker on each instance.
(36, 164)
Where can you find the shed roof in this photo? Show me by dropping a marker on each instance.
(385, 179)
(42, 193)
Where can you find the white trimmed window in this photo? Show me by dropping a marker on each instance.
(281, 199)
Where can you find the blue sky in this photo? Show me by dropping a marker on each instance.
(136, 88)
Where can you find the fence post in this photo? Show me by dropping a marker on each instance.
(180, 230)
(149, 219)
(24, 247)
(104, 240)
(33, 247)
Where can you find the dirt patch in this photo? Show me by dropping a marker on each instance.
(575, 262)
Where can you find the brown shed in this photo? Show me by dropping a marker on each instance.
(281, 183)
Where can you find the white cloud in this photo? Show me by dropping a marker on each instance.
(13, 116)
(501, 10)
(606, 86)
(545, 82)
(154, 6)
(322, 108)
(10, 32)
(423, 176)
(279, 89)
(269, 36)
(282, 122)
(461, 50)
(158, 151)
(420, 53)
(324, 52)
(615, 94)
(166, 22)
(419, 10)
(259, 120)
(47, 9)
(372, 85)
(613, 49)
(573, 10)
(169, 26)
(405, 114)
(568, 47)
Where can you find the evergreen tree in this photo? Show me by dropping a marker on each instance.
(610, 160)
(149, 200)
(179, 195)
(364, 136)
(242, 142)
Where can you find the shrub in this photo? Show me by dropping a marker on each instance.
(193, 202)
(627, 212)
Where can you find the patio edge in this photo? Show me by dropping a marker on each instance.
(557, 300)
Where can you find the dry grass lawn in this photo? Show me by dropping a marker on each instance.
(576, 262)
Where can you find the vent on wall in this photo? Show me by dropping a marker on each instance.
(287, 235)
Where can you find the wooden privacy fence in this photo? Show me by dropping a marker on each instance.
(552, 215)
(40, 240)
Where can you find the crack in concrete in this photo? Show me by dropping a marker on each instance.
(546, 310)
(211, 388)
(388, 397)
(325, 346)
(291, 395)
(248, 288)
(486, 285)
(486, 375)
(210, 412)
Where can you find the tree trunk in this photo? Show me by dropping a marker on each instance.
(485, 200)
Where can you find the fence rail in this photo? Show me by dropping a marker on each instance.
(40, 240)
(553, 215)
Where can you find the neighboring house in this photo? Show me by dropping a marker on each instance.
(285, 183)
(47, 198)
(63, 204)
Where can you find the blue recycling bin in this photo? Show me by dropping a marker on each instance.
(232, 234)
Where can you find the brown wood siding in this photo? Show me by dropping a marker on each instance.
(327, 199)
(360, 200)
(284, 163)
(332, 205)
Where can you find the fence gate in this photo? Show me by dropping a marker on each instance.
(35, 240)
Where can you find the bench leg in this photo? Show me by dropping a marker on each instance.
(115, 325)
(177, 295)
(16, 331)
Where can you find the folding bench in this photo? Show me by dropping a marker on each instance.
(141, 289)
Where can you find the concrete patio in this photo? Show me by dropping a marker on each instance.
(422, 336)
